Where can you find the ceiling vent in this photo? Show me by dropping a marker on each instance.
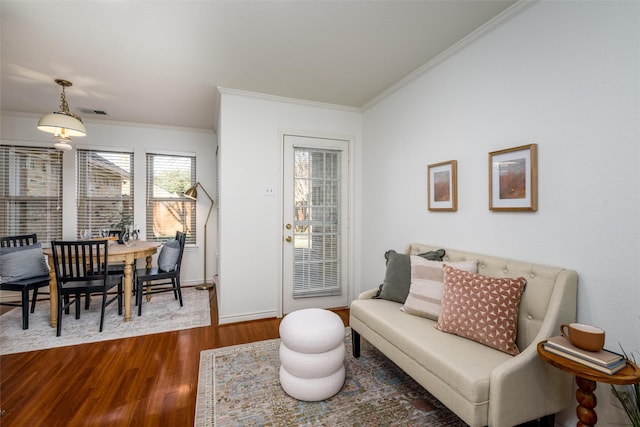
(90, 111)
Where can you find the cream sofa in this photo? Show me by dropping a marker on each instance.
(481, 385)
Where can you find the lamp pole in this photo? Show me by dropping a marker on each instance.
(192, 193)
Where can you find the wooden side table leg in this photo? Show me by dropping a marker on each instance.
(586, 402)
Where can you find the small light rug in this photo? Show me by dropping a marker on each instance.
(240, 386)
(162, 314)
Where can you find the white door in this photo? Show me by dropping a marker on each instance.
(315, 223)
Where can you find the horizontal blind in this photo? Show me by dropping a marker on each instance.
(31, 192)
(104, 190)
(168, 210)
(317, 228)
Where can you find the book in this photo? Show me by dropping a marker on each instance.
(610, 370)
(603, 357)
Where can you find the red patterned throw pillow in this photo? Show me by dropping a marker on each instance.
(481, 308)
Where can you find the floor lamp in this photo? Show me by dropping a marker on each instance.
(192, 193)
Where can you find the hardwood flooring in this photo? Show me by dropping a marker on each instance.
(150, 380)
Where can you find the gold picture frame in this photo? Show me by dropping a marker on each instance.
(442, 186)
(513, 179)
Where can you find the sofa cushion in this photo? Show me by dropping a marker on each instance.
(22, 262)
(481, 308)
(397, 277)
(425, 291)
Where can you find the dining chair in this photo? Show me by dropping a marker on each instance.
(115, 268)
(23, 268)
(82, 267)
(165, 277)
(118, 267)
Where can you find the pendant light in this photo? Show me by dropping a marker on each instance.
(62, 124)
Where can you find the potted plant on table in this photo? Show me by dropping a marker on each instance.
(120, 221)
(629, 398)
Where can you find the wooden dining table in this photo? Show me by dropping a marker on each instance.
(116, 253)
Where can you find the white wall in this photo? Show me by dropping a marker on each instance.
(20, 129)
(563, 75)
(250, 222)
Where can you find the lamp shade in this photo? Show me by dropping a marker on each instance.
(192, 193)
(55, 123)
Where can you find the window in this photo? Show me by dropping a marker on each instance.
(168, 210)
(31, 192)
(317, 228)
(105, 190)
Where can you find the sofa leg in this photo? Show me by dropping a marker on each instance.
(548, 421)
(355, 343)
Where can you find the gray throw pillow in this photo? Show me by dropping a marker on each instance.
(168, 257)
(22, 262)
(397, 279)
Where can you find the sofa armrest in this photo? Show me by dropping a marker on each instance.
(368, 294)
(525, 387)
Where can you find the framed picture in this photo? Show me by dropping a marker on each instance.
(442, 185)
(513, 179)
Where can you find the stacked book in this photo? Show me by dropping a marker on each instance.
(605, 361)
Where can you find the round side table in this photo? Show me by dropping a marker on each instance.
(586, 379)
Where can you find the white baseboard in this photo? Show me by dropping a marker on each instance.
(247, 316)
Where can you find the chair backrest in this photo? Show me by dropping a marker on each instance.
(23, 240)
(80, 260)
(181, 238)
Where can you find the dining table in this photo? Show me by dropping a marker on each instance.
(115, 253)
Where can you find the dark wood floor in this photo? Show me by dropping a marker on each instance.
(150, 380)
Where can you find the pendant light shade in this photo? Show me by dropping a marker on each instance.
(62, 124)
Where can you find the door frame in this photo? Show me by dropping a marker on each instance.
(350, 253)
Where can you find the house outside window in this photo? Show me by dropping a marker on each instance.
(31, 192)
(168, 210)
(105, 190)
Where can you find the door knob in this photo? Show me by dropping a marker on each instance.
(288, 226)
(288, 239)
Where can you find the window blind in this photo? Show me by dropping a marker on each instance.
(168, 210)
(104, 190)
(31, 192)
(317, 227)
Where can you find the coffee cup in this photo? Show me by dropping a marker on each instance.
(583, 336)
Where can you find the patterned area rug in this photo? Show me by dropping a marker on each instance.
(239, 386)
(162, 314)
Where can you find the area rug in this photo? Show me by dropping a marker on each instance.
(162, 314)
(239, 386)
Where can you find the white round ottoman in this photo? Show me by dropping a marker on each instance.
(312, 354)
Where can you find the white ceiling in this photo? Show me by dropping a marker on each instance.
(159, 62)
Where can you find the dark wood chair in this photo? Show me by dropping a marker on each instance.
(117, 268)
(114, 268)
(155, 280)
(23, 285)
(81, 268)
